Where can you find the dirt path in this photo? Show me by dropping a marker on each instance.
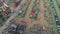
(41, 14)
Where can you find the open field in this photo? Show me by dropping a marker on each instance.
(43, 20)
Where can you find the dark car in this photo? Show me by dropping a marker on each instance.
(21, 27)
(11, 32)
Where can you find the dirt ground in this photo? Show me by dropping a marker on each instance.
(29, 21)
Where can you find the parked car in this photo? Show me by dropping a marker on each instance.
(56, 19)
(6, 10)
(34, 14)
(16, 3)
(22, 13)
(22, 27)
(59, 30)
(58, 26)
(11, 32)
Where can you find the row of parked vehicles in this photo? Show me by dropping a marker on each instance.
(58, 3)
(16, 28)
(55, 15)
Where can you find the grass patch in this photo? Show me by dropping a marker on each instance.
(54, 22)
(57, 9)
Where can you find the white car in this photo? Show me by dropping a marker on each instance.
(58, 25)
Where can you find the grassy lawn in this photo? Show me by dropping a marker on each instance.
(54, 26)
(58, 2)
(1, 21)
(54, 23)
(57, 9)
